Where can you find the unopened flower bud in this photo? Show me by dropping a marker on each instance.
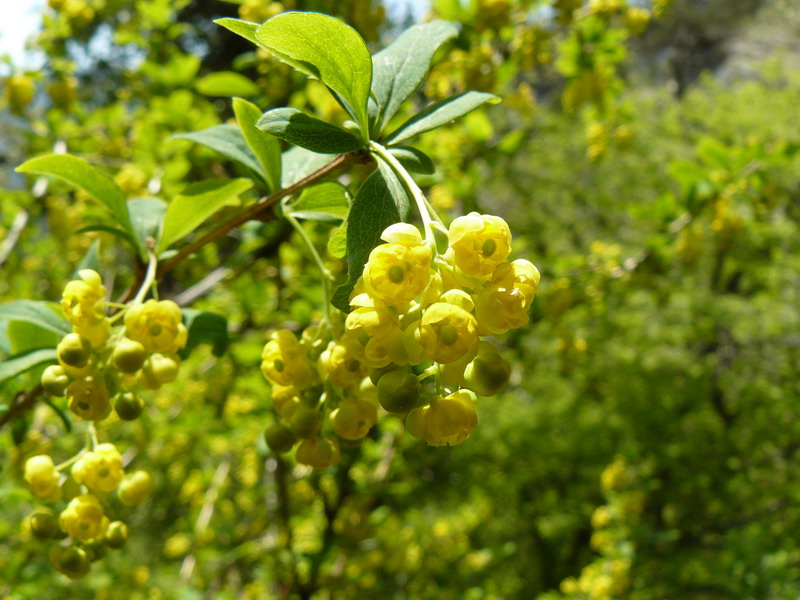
(135, 488)
(487, 374)
(305, 422)
(55, 380)
(129, 355)
(128, 406)
(279, 438)
(74, 350)
(116, 534)
(398, 391)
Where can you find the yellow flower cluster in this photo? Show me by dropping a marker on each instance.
(309, 377)
(94, 476)
(417, 313)
(95, 367)
(411, 344)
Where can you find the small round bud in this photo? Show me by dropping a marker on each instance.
(415, 421)
(163, 368)
(305, 422)
(135, 488)
(353, 419)
(376, 374)
(398, 391)
(319, 453)
(487, 374)
(279, 437)
(74, 350)
(55, 380)
(41, 475)
(128, 406)
(73, 562)
(95, 549)
(116, 534)
(129, 356)
(44, 525)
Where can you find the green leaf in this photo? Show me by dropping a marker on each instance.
(46, 315)
(196, 204)
(228, 141)
(24, 337)
(298, 128)
(373, 210)
(413, 160)
(79, 173)
(327, 201)
(325, 48)
(396, 189)
(107, 229)
(441, 113)
(297, 163)
(16, 365)
(400, 68)
(147, 215)
(246, 29)
(337, 243)
(205, 327)
(265, 147)
(226, 83)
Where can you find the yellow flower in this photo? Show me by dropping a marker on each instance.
(342, 368)
(135, 488)
(353, 419)
(450, 420)
(284, 360)
(156, 325)
(88, 398)
(373, 334)
(398, 271)
(83, 519)
(503, 303)
(447, 331)
(479, 243)
(319, 453)
(41, 475)
(101, 470)
(83, 299)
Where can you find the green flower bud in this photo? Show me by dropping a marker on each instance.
(376, 374)
(163, 368)
(95, 549)
(135, 488)
(55, 380)
(44, 525)
(279, 437)
(129, 356)
(487, 374)
(305, 422)
(116, 534)
(72, 561)
(128, 406)
(398, 391)
(74, 350)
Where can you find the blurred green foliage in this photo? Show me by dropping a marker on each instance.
(646, 448)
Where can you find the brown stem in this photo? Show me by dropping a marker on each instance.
(253, 211)
(27, 402)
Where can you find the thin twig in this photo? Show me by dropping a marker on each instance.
(254, 211)
(27, 402)
(13, 235)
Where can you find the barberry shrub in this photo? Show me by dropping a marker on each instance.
(405, 333)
